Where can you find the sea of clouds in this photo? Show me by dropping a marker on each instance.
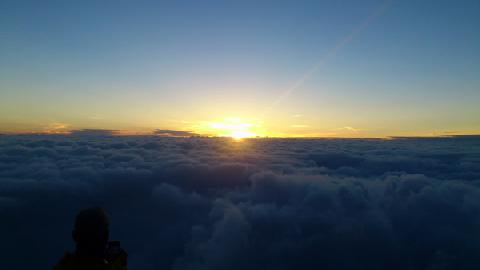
(206, 203)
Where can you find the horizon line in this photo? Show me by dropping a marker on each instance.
(125, 133)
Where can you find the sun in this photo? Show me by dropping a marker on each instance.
(239, 135)
(235, 128)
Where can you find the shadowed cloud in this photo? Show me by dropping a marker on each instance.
(205, 203)
(174, 133)
(93, 132)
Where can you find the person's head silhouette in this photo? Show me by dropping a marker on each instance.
(91, 232)
(93, 251)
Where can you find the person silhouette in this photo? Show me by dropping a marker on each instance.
(93, 251)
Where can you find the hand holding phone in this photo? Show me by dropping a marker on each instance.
(114, 253)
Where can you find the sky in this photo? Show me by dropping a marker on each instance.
(241, 68)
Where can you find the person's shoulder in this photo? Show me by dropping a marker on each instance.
(65, 262)
(70, 261)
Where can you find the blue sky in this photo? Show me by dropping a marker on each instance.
(411, 69)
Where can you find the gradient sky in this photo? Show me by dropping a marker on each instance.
(277, 68)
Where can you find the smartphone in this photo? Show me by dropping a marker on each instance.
(113, 249)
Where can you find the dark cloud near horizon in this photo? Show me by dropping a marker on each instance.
(204, 203)
(93, 132)
(174, 133)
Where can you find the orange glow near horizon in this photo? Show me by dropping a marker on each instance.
(237, 128)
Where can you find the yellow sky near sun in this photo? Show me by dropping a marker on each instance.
(232, 120)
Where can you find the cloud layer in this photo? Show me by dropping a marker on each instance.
(200, 203)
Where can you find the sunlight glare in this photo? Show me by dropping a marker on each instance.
(235, 128)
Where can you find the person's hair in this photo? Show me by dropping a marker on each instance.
(91, 230)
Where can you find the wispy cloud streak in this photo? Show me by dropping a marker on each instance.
(330, 54)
